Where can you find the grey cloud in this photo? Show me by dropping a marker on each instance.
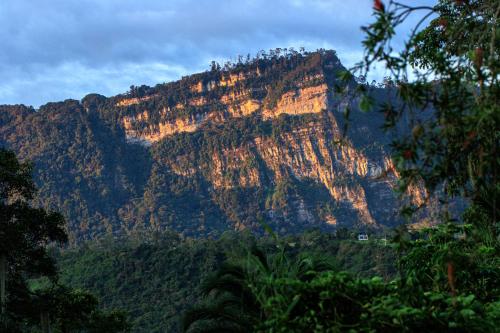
(57, 49)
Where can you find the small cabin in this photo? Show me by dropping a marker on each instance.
(362, 236)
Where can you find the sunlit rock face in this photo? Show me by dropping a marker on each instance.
(252, 90)
(224, 149)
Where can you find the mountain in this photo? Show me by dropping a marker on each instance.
(250, 144)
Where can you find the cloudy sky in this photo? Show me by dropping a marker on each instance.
(51, 50)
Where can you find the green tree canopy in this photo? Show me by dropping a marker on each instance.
(25, 232)
(446, 78)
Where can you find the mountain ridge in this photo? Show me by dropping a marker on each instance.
(224, 149)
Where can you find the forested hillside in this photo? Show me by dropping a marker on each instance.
(259, 140)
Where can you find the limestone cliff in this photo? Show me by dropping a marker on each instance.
(312, 150)
(248, 92)
(260, 141)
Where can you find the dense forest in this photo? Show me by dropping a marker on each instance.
(155, 278)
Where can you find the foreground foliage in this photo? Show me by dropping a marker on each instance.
(444, 284)
(27, 304)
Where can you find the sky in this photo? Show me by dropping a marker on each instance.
(52, 50)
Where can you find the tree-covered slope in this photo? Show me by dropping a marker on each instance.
(81, 167)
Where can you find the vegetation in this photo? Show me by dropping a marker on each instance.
(81, 166)
(452, 105)
(156, 277)
(24, 234)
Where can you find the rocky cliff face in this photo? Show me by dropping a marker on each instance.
(222, 149)
(221, 96)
